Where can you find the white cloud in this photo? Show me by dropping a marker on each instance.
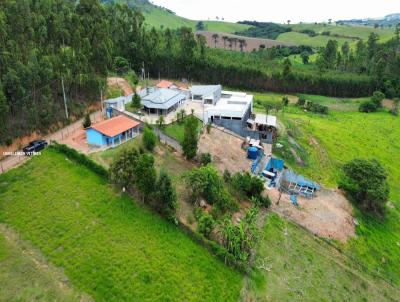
(281, 10)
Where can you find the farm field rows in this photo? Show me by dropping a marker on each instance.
(107, 245)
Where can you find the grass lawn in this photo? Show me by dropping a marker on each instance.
(107, 245)
(339, 104)
(329, 141)
(305, 268)
(24, 278)
(176, 130)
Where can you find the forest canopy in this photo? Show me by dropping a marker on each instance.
(81, 42)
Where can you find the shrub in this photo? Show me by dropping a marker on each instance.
(367, 106)
(206, 225)
(366, 183)
(205, 182)
(227, 176)
(377, 98)
(87, 122)
(205, 159)
(149, 138)
(240, 239)
(261, 201)
(301, 101)
(251, 186)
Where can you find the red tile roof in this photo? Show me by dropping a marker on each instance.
(116, 125)
(164, 84)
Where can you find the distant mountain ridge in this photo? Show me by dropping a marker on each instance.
(388, 20)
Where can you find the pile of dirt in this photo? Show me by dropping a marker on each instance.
(327, 215)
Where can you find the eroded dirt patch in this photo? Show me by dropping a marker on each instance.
(226, 151)
(328, 215)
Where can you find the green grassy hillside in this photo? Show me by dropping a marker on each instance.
(309, 269)
(107, 245)
(361, 32)
(341, 33)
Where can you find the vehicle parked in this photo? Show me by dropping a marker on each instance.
(34, 146)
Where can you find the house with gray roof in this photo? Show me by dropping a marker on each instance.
(207, 94)
(162, 101)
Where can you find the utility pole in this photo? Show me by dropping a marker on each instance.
(65, 99)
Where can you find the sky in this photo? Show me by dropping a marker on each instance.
(281, 10)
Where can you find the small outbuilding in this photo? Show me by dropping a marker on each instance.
(112, 132)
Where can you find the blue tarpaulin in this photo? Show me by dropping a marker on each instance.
(292, 177)
(275, 164)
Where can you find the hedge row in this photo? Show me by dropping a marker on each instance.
(80, 158)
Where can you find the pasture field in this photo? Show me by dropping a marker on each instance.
(107, 245)
(330, 141)
(361, 32)
(298, 38)
(23, 277)
(161, 18)
(293, 265)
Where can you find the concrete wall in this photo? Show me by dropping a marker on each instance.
(94, 137)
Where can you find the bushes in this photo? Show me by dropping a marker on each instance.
(373, 104)
(367, 106)
(149, 138)
(206, 183)
(80, 158)
(366, 182)
(205, 159)
(311, 106)
(136, 170)
(86, 122)
(250, 185)
(240, 239)
(206, 225)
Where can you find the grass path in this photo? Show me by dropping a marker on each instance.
(108, 246)
(25, 274)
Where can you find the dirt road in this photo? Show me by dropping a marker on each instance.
(60, 136)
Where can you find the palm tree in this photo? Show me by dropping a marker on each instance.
(230, 43)
(215, 37)
(242, 44)
(225, 38)
(288, 22)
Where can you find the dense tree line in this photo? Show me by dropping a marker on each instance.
(44, 41)
(381, 61)
(267, 30)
